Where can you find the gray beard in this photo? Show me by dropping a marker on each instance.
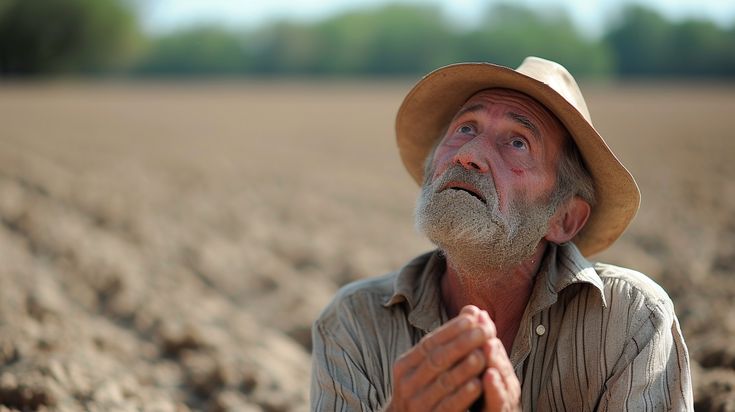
(473, 235)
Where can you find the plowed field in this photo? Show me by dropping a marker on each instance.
(165, 247)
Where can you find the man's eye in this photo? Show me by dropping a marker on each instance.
(466, 129)
(518, 143)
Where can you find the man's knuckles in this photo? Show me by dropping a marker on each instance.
(452, 328)
(462, 398)
(449, 358)
(472, 365)
(470, 310)
(438, 352)
(474, 337)
(463, 371)
(479, 317)
(487, 323)
(446, 355)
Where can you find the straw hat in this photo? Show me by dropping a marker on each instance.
(434, 100)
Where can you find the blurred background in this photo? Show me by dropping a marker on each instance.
(184, 184)
(138, 38)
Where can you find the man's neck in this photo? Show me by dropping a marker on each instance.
(503, 293)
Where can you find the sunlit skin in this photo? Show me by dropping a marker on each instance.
(490, 136)
(516, 142)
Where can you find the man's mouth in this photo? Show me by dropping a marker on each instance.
(466, 188)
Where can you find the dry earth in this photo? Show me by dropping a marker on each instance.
(165, 247)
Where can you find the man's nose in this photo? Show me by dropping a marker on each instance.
(471, 156)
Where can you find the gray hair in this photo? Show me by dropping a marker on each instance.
(572, 176)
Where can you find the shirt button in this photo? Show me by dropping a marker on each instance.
(540, 330)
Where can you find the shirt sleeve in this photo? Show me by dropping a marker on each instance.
(338, 382)
(658, 377)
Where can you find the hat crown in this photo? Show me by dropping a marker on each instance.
(558, 78)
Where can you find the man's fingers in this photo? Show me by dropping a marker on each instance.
(470, 310)
(433, 372)
(508, 375)
(461, 399)
(500, 382)
(428, 343)
(444, 357)
(498, 358)
(452, 380)
(513, 386)
(496, 397)
(483, 318)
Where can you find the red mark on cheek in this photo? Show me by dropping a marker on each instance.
(518, 172)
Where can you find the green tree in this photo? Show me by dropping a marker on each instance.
(698, 48)
(56, 36)
(401, 39)
(391, 39)
(509, 33)
(198, 50)
(286, 48)
(646, 44)
(639, 41)
(728, 56)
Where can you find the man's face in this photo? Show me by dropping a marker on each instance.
(486, 194)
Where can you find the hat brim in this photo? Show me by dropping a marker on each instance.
(432, 103)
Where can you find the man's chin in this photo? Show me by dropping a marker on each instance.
(473, 246)
(477, 249)
(477, 237)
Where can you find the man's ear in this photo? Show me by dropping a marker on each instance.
(568, 220)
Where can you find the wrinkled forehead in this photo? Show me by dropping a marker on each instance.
(517, 100)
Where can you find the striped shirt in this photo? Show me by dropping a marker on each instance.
(592, 337)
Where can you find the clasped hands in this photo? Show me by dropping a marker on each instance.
(450, 368)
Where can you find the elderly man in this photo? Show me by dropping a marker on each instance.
(507, 314)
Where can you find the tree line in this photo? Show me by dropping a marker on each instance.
(49, 37)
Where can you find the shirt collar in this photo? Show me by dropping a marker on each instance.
(417, 283)
(562, 267)
(571, 267)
